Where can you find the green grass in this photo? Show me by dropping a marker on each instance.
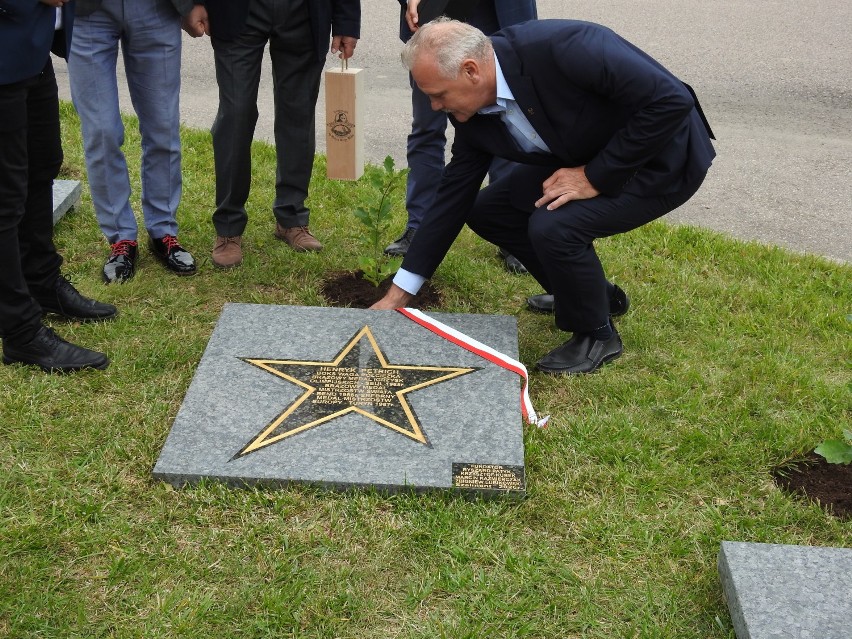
(737, 358)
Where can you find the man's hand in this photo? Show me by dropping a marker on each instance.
(345, 45)
(195, 23)
(54, 3)
(411, 16)
(566, 185)
(393, 299)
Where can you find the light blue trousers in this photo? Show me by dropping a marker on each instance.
(150, 37)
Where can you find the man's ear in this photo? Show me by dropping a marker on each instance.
(470, 70)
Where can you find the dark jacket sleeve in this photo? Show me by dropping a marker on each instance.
(454, 199)
(26, 36)
(346, 18)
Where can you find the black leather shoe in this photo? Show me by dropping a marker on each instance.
(174, 257)
(400, 246)
(51, 353)
(618, 303)
(512, 263)
(65, 300)
(581, 354)
(121, 263)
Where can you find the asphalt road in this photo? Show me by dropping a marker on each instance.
(774, 78)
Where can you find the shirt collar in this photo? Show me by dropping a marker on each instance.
(504, 93)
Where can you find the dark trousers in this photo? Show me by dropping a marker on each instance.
(557, 247)
(428, 139)
(30, 158)
(296, 72)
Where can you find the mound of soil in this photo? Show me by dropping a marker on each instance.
(829, 485)
(352, 290)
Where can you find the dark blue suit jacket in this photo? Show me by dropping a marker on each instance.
(27, 36)
(596, 101)
(342, 17)
(508, 12)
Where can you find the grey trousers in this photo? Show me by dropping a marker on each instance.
(296, 72)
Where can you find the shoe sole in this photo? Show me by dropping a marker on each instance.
(298, 249)
(176, 272)
(74, 318)
(68, 369)
(566, 373)
(543, 311)
(224, 267)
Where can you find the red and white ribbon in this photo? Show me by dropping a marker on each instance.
(478, 348)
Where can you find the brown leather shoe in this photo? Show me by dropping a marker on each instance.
(299, 238)
(227, 251)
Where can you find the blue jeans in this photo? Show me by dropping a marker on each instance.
(150, 36)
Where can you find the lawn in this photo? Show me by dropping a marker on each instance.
(737, 358)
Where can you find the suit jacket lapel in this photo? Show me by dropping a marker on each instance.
(525, 95)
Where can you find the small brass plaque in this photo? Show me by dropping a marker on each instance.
(488, 477)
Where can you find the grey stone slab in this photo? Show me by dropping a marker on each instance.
(66, 194)
(776, 591)
(374, 418)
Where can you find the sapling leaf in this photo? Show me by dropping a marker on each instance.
(835, 451)
(375, 214)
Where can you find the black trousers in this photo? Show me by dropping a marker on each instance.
(296, 72)
(557, 247)
(30, 158)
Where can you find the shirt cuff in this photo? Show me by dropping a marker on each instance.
(408, 281)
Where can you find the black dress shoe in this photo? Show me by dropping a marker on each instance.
(51, 353)
(174, 257)
(121, 263)
(65, 300)
(618, 303)
(512, 263)
(400, 246)
(581, 354)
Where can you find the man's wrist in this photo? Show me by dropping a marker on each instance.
(408, 281)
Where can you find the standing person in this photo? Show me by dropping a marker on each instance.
(607, 140)
(427, 140)
(150, 38)
(30, 157)
(297, 32)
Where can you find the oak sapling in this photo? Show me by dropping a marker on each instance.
(375, 214)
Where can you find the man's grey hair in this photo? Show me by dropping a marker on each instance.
(450, 42)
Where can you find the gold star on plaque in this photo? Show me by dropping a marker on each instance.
(358, 380)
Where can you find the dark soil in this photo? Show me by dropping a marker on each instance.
(830, 485)
(352, 290)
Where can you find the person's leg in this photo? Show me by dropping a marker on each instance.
(38, 256)
(20, 315)
(296, 76)
(425, 157)
(501, 214)
(30, 157)
(238, 66)
(151, 48)
(563, 241)
(424, 154)
(94, 91)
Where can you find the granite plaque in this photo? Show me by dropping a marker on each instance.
(776, 591)
(66, 194)
(344, 397)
